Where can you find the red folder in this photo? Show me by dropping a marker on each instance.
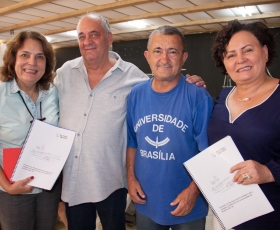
(10, 157)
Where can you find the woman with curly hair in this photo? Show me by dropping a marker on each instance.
(250, 112)
(26, 93)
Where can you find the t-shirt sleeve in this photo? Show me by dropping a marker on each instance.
(131, 135)
(201, 116)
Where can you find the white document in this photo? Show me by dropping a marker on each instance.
(232, 203)
(43, 154)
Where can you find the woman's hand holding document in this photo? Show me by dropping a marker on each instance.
(232, 203)
(44, 154)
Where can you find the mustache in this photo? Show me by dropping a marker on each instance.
(167, 65)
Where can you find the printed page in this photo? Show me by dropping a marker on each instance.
(233, 203)
(44, 154)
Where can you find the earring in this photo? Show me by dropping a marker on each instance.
(268, 72)
(227, 81)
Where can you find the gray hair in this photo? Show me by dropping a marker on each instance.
(168, 30)
(98, 17)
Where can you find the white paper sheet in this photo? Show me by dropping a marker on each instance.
(44, 154)
(232, 203)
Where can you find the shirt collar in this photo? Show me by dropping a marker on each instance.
(119, 63)
(79, 63)
(14, 88)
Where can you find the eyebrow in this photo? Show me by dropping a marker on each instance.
(24, 51)
(171, 48)
(93, 31)
(232, 51)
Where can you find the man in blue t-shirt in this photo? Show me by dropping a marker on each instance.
(167, 122)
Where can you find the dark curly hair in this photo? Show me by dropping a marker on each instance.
(7, 71)
(258, 29)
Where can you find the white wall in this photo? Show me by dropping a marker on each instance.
(2, 49)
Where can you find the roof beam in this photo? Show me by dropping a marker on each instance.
(75, 13)
(205, 22)
(57, 45)
(22, 5)
(193, 23)
(192, 9)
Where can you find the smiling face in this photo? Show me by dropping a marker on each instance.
(93, 42)
(30, 63)
(165, 56)
(245, 59)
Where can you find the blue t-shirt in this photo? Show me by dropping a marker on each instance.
(167, 129)
(256, 133)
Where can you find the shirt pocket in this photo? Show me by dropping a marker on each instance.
(110, 105)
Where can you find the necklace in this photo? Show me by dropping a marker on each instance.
(244, 99)
(42, 118)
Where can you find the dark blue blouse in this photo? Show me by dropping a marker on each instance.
(256, 133)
